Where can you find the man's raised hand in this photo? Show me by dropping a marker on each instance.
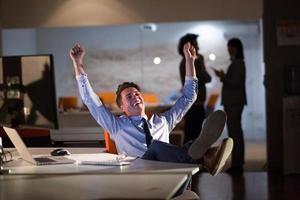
(190, 57)
(189, 52)
(77, 54)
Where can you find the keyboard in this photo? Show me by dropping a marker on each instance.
(106, 163)
(44, 160)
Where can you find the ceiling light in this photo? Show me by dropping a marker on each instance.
(157, 60)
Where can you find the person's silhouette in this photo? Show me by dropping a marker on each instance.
(234, 100)
(41, 96)
(196, 114)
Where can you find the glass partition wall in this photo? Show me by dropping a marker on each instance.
(147, 54)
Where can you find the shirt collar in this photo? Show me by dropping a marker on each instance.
(138, 117)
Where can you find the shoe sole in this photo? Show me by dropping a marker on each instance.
(211, 130)
(225, 151)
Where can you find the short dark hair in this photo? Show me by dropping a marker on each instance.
(122, 87)
(189, 37)
(237, 43)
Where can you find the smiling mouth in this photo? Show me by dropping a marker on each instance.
(137, 103)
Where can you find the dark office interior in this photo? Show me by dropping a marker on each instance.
(271, 30)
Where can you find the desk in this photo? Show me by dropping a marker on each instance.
(142, 179)
(20, 166)
(87, 186)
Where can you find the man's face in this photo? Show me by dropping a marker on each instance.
(132, 102)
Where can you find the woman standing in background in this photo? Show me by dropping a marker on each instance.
(234, 99)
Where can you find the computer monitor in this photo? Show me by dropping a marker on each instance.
(27, 92)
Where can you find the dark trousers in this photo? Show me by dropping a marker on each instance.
(235, 131)
(193, 122)
(161, 151)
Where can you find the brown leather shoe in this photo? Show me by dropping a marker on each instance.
(215, 157)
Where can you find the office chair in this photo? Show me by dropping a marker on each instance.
(67, 102)
(107, 97)
(150, 98)
(211, 102)
(110, 145)
(187, 195)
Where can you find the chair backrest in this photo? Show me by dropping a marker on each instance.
(67, 102)
(150, 98)
(110, 145)
(107, 97)
(211, 102)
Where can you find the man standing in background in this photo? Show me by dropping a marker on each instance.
(196, 114)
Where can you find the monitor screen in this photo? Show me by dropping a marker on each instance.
(27, 92)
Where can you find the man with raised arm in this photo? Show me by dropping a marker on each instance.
(148, 138)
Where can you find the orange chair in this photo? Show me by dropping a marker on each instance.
(211, 102)
(150, 98)
(212, 99)
(107, 97)
(67, 102)
(110, 145)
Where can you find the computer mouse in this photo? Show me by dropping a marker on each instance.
(60, 152)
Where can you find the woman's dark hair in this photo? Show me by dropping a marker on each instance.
(192, 38)
(122, 87)
(237, 43)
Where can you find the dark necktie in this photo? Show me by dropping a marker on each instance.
(147, 132)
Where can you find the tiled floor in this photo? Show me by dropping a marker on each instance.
(254, 184)
(255, 156)
(250, 185)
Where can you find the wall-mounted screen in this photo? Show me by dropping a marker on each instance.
(27, 92)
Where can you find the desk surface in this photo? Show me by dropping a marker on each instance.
(142, 179)
(20, 166)
(104, 186)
